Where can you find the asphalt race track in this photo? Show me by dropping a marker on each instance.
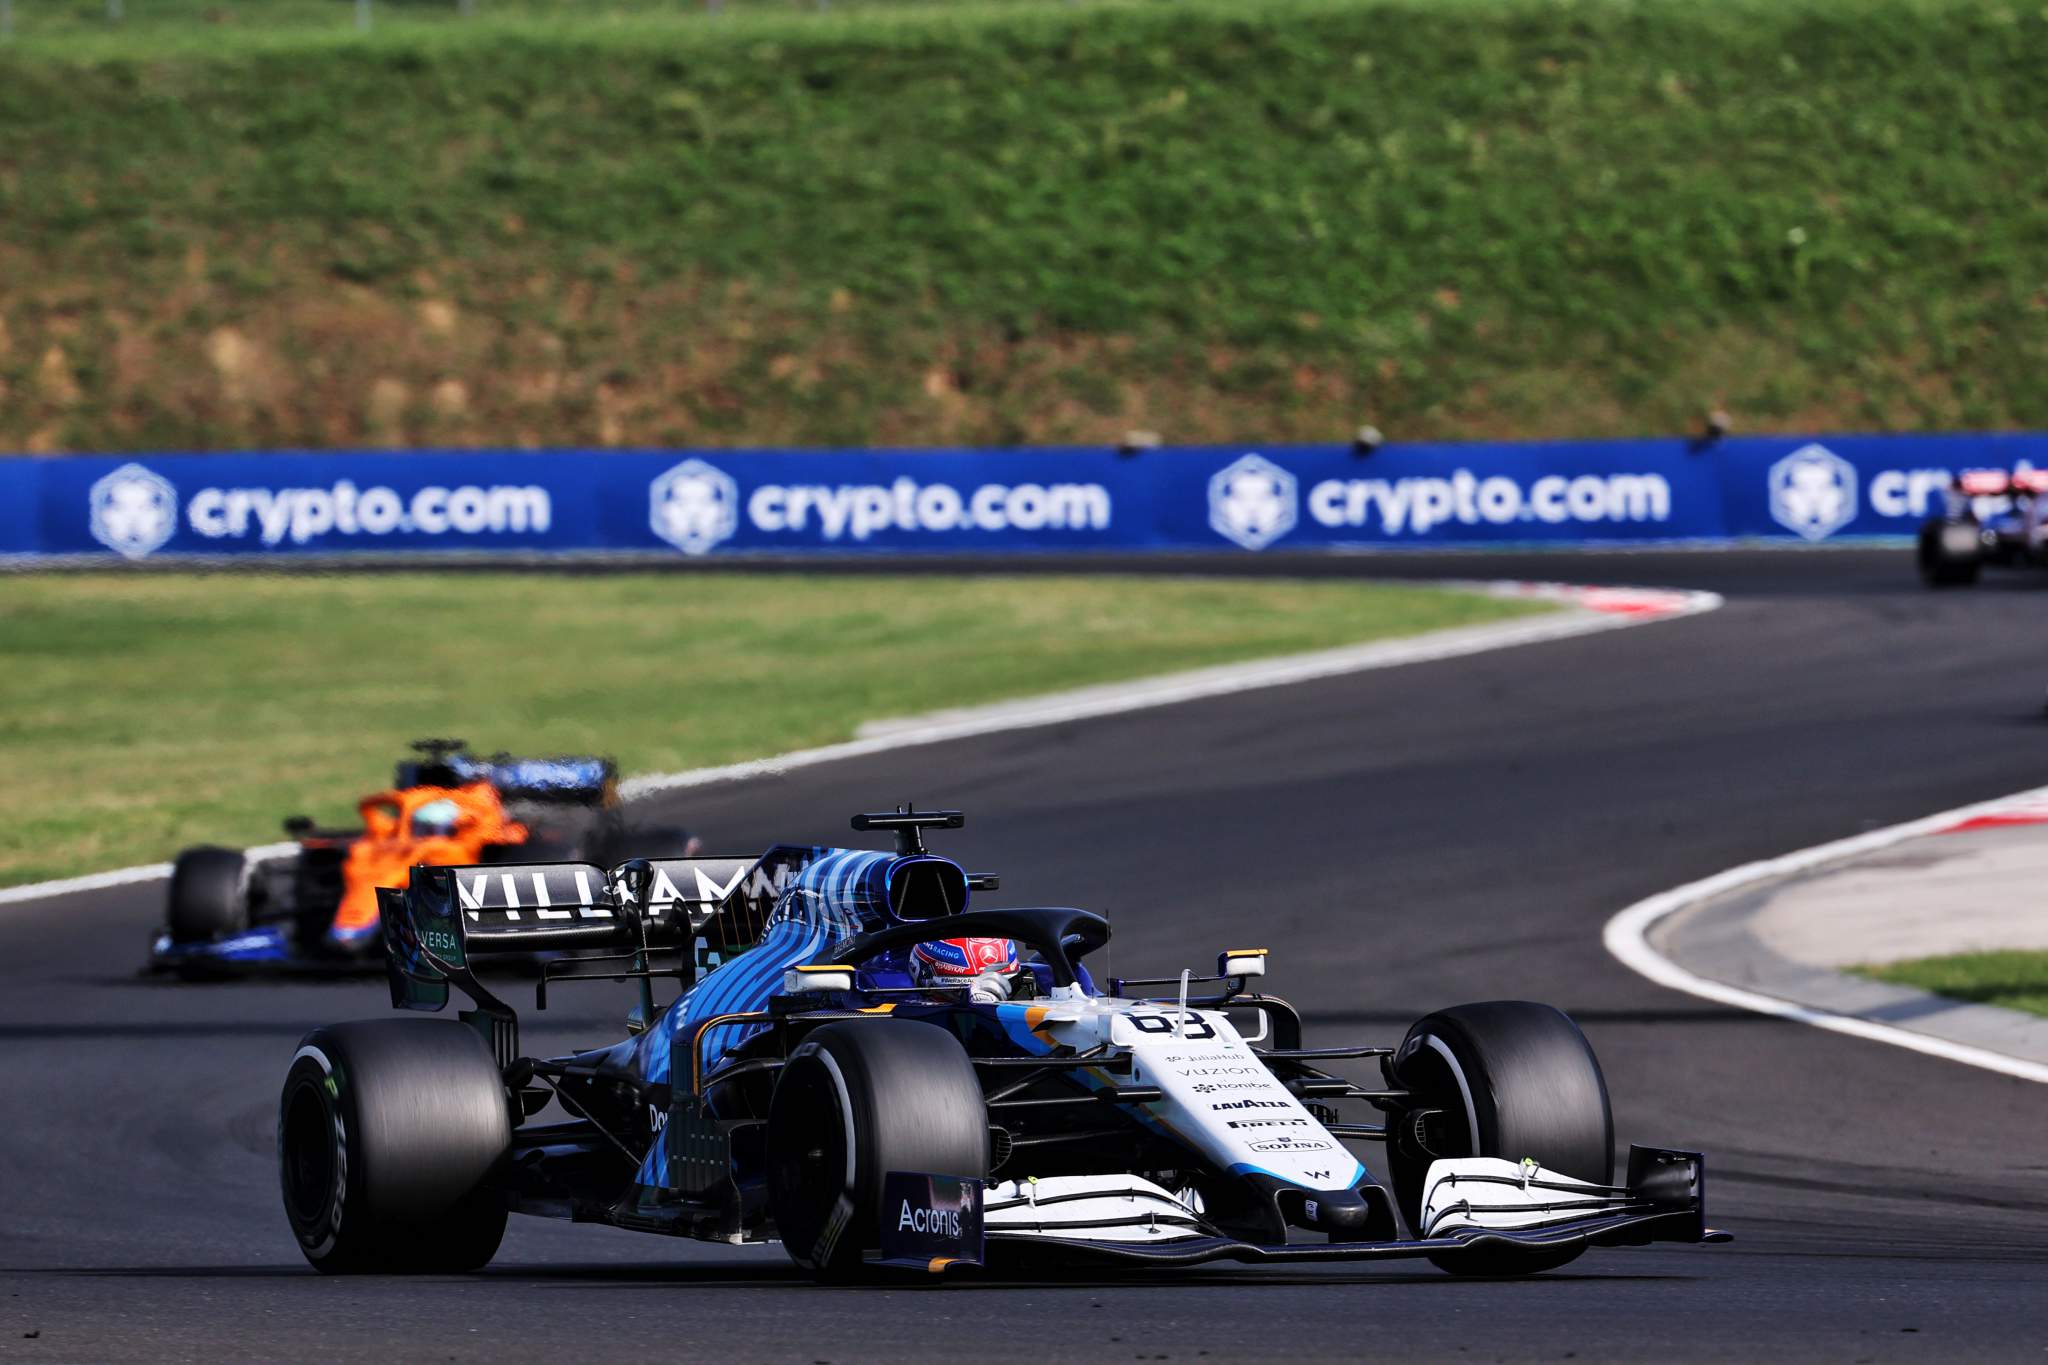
(1402, 840)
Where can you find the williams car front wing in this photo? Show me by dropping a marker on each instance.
(1483, 1208)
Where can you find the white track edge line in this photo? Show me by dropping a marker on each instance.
(1626, 936)
(1085, 703)
(1172, 689)
(120, 876)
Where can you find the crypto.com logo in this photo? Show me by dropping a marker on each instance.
(694, 507)
(1253, 502)
(134, 511)
(1813, 492)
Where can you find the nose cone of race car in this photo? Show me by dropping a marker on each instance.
(1344, 1214)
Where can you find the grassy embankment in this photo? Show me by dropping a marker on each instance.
(2014, 978)
(1017, 221)
(142, 713)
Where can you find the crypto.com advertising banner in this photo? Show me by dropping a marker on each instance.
(1228, 499)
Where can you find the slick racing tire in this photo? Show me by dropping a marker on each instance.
(1508, 1079)
(209, 898)
(386, 1131)
(855, 1101)
(1939, 568)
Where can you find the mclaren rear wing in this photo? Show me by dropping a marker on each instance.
(581, 781)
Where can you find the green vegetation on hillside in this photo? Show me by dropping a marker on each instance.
(200, 20)
(1014, 220)
(142, 713)
(2015, 978)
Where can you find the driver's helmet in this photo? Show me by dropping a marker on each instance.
(959, 961)
(435, 819)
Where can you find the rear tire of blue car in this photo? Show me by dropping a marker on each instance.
(209, 895)
(1939, 568)
(855, 1101)
(1518, 1076)
(387, 1130)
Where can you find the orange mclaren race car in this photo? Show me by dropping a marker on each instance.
(317, 906)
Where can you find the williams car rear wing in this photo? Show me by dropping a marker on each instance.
(525, 907)
(446, 916)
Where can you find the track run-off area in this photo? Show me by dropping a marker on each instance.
(1401, 839)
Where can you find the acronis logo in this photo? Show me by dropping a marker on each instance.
(935, 1221)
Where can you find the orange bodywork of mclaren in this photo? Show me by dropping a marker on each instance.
(390, 845)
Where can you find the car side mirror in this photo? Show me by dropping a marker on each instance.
(298, 825)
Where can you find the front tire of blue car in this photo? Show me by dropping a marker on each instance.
(1503, 1078)
(386, 1132)
(855, 1101)
(209, 895)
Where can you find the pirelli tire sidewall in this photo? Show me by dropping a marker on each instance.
(387, 1130)
(857, 1100)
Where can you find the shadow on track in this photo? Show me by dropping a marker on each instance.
(696, 1274)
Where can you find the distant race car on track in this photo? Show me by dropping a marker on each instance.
(317, 908)
(1990, 517)
(878, 1076)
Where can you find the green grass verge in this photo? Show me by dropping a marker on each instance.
(142, 713)
(2014, 978)
(1024, 221)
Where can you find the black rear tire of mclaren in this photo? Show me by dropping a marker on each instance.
(913, 1104)
(208, 898)
(386, 1131)
(1535, 1090)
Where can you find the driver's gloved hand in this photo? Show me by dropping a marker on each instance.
(990, 988)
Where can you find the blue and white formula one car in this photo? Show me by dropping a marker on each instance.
(1988, 516)
(880, 1077)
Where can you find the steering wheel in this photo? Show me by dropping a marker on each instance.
(1060, 935)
